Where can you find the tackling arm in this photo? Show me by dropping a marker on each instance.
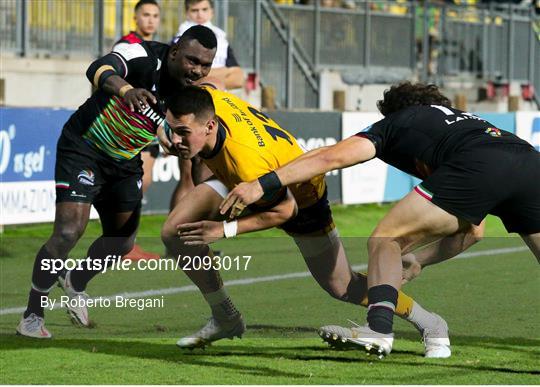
(351, 151)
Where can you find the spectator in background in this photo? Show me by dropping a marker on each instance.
(225, 66)
(147, 18)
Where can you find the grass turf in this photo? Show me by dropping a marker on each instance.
(490, 303)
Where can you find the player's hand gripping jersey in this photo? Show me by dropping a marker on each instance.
(104, 121)
(250, 144)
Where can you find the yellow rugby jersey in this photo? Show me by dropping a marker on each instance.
(250, 144)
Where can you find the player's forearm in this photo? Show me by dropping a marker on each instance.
(235, 78)
(116, 85)
(346, 153)
(274, 217)
(305, 167)
(232, 77)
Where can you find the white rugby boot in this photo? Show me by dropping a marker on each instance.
(33, 326)
(436, 339)
(214, 330)
(76, 309)
(359, 336)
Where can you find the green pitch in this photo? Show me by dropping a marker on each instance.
(490, 301)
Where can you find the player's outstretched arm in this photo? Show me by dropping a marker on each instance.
(353, 150)
(204, 232)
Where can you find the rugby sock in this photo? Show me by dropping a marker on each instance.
(98, 251)
(382, 304)
(221, 305)
(421, 318)
(34, 303)
(43, 278)
(404, 304)
(42, 282)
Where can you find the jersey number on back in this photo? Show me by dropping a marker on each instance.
(272, 131)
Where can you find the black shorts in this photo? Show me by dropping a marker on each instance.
(502, 180)
(83, 174)
(317, 217)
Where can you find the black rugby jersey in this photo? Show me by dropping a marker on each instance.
(105, 121)
(418, 139)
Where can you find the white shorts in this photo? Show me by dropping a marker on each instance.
(218, 186)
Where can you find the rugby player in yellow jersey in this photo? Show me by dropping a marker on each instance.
(239, 143)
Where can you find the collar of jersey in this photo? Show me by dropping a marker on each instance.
(220, 140)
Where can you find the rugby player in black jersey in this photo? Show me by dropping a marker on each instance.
(469, 167)
(98, 161)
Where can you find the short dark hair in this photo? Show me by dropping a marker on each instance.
(204, 35)
(191, 99)
(407, 94)
(140, 3)
(189, 3)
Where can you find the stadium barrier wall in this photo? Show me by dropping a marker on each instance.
(28, 150)
(27, 156)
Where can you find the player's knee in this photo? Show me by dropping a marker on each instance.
(476, 234)
(336, 290)
(66, 237)
(380, 238)
(374, 241)
(167, 233)
(334, 286)
(125, 245)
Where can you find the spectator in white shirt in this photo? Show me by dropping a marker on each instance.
(225, 66)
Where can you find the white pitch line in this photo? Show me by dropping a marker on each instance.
(255, 280)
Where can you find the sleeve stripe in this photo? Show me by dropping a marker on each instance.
(100, 71)
(123, 63)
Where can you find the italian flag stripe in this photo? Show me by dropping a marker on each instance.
(423, 192)
(62, 184)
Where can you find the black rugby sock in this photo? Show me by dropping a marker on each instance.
(382, 304)
(34, 303)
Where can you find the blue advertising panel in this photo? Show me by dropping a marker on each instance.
(504, 121)
(28, 143)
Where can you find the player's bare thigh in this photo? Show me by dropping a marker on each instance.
(201, 203)
(412, 223)
(415, 221)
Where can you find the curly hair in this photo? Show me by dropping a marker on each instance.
(407, 94)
